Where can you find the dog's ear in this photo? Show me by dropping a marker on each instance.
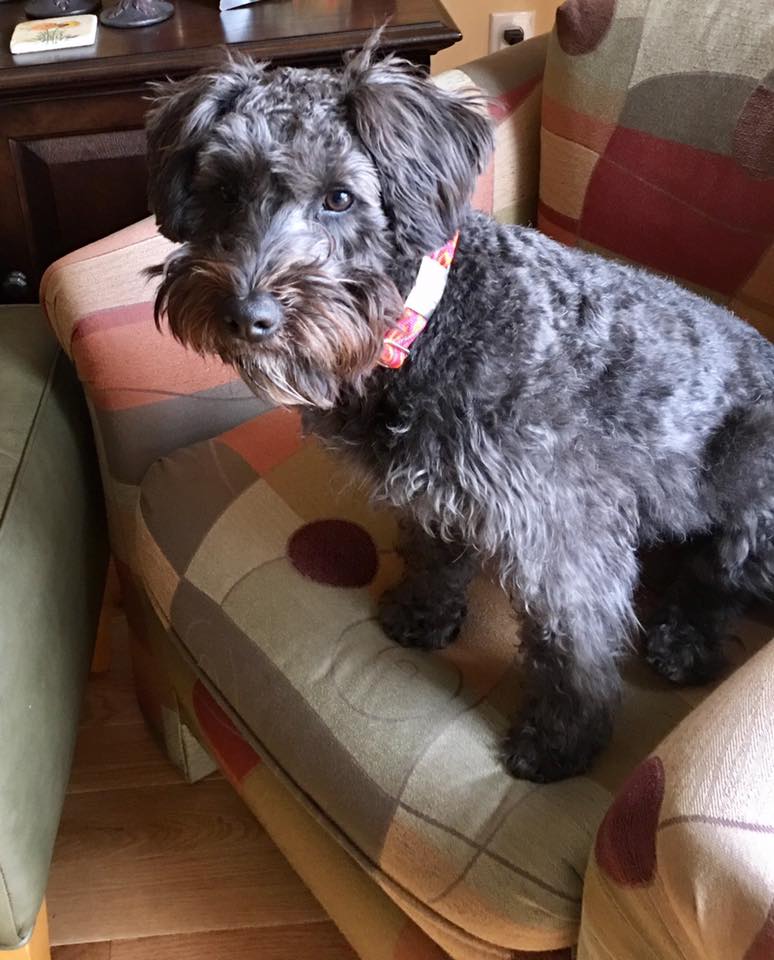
(429, 145)
(177, 124)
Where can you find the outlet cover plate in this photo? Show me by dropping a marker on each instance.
(500, 22)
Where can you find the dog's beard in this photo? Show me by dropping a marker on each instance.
(330, 338)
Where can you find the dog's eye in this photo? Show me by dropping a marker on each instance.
(337, 201)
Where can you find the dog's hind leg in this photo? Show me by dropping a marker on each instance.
(428, 607)
(723, 571)
(684, 638)
(744, 478)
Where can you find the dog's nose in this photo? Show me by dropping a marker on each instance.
(255, 317)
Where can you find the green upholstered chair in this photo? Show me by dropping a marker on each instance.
(53, 554)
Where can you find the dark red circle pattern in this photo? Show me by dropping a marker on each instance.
(626, 841)
(754, 133)
(337, 553)
(762, 948)
(581, 25)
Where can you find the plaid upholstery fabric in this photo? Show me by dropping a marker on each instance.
(147, 395)
(658, 141)
(512, 83)
(683, 866)
(249, 539)
(174, 698)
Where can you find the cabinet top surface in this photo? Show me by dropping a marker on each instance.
(195, 36)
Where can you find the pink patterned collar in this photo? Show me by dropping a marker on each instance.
(420, 304)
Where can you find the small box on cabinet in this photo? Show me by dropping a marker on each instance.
(54, 33)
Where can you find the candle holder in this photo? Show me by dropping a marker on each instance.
(42, 9)
(128, 14)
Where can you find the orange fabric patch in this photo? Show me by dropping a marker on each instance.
(557, 225)
(500, 108)
(121, 240)
(125, 315)
(233, 753)
(762, 319)
(566, 169)
(152, 365)
(483, 195)
(758, 289)
(591, 132)
(266, 441)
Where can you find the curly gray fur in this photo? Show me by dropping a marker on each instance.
(560, 411)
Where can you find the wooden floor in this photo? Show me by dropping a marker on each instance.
(147, 867)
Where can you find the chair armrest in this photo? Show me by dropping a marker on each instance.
(683, 866)
(147, 394)
(512, 81)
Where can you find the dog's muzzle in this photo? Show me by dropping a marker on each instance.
(253, 318)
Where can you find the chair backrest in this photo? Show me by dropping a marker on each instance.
(511, 81)
(658, 141)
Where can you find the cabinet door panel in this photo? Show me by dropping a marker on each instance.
(76, 189)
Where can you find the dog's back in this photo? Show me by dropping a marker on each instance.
(622, 372)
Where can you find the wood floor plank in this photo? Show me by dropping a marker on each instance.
(81, 951)
(110, 696)
(115, 749)
(147, 866)
(165, 860)
(117, 757)
(110, 699)
(312, 941)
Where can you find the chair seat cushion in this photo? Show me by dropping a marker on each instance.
(266, 561)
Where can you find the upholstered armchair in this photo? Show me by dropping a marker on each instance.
(251, 567)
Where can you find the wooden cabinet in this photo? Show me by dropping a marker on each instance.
(72, 147)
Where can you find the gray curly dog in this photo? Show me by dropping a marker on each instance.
(559, 413)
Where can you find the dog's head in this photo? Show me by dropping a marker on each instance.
(293, 192)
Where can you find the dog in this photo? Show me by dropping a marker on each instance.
(558, 412)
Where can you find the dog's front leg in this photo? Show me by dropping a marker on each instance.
(428, 606)
(567, 717)
(581, 610)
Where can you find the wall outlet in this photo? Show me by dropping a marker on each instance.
(500, 22)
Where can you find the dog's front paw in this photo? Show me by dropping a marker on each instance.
(411, 622)
(551, 742)
(681, 653)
